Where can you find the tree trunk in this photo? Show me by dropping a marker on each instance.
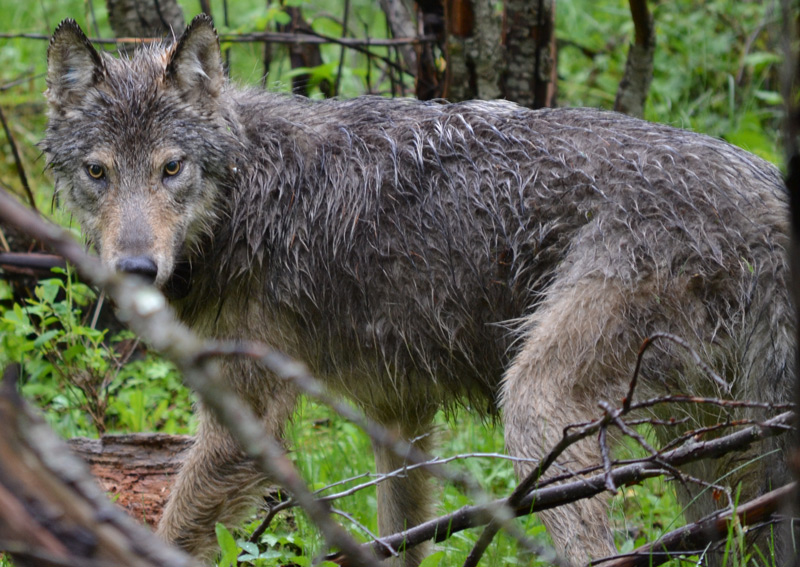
(401, 23)
(430, 76)
(303, 54)
(635, 84)
(474, 50)
(488, 55)
(145, 18)
(530, 75)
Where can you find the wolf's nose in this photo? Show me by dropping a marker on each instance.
(142, 266)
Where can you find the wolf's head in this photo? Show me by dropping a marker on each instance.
(141, 148)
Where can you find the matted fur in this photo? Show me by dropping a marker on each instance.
(418, 255)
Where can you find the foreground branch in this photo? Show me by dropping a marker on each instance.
(147, 313)
(51, 510)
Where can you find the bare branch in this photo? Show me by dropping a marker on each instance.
(254, 37)
(694, 538)
(467, 517)
(23, 178)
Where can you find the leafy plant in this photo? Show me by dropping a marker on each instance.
(80, 374)
(273, 550)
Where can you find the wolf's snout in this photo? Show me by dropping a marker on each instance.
(143, 266)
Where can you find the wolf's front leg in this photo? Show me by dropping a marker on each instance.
(405, 500)
(217, 483)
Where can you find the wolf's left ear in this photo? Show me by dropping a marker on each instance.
(196, 63)
(73, 65)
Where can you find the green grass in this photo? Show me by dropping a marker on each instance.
(705, 80)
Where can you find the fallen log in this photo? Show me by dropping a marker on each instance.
(135, 470)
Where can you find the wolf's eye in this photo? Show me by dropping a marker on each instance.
(96, 171)
(172, 168)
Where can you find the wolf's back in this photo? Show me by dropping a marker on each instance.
(431, 232)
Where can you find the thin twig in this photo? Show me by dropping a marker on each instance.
(681, 342)
(18, 161)
(97, 308)
(602, 441)
(255, 37)
(147, 312)
(342, 50)
(364, 529)
(24, 78)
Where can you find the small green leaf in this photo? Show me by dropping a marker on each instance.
(761, 59)
(45, 337)
(228, 546)
(770, 97)
(432, 560)
(249, 547)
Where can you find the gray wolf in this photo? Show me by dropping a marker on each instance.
(422, 255)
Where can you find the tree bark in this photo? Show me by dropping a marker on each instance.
(635, 84)
(474, 50)
(145, 18)
(401, 23)
(136, 469)
(530, 74)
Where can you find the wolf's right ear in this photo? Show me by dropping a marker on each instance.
(73, 65)
(195, 66)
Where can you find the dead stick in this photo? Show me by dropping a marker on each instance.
(256, 37)
(550, 497)
(695, 536)
(17, 160)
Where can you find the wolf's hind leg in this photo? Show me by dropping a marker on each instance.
(575, 353)
(217, 483)
(406, 500)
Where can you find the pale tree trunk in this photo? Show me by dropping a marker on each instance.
(474, 49)
(400, 17)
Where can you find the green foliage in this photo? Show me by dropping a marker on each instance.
(273, 550)
(78, 373)
(716, 65)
